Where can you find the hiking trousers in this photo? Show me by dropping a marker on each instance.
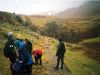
(60, 59)
(38, 58)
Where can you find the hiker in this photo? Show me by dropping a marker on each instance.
(38, 56)
(25, 58)
(9, 50)
(60, 54)
(29, 51)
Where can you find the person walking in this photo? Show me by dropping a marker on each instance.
(60, 54)
(30, 61)
(9, 50)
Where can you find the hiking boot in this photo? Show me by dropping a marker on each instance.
(61, 68)
(56, 68)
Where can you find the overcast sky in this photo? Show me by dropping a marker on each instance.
(30, 7)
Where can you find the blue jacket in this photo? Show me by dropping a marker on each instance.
(24, 54)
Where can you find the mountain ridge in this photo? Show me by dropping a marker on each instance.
(88, 8)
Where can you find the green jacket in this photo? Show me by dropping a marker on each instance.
(61, 49)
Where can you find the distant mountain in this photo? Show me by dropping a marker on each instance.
(89, 8)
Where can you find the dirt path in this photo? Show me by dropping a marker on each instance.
(48, 66)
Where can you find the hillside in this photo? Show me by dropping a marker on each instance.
(11, 18)
(76, 62)
(93, 48)
(38, 20)
(89, 8)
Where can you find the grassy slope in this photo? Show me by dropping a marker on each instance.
(92, 43)
(75, 61)
(21, 33)
(39, 21)
(93, 48)
(94, 40)
(79, 64)
(77, 58)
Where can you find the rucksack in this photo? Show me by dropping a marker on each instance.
(16, 66)
(29, 47)
(9, 48)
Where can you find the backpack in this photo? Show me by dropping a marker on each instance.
(9, 48)
(16, 66)
(29, 47)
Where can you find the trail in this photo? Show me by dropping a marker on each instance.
(48, 66)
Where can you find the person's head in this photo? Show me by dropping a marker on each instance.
(60, 40)
(10, 34)
(26, 40)
(21, 40)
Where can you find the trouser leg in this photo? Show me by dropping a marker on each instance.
(12, 71)
(62, 61)
(28, 69)
(40, 59)
(58, 61)
(36, 60)
(12, 60)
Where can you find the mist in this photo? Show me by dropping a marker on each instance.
(30, 7)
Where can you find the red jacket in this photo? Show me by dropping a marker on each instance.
(37, 52)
